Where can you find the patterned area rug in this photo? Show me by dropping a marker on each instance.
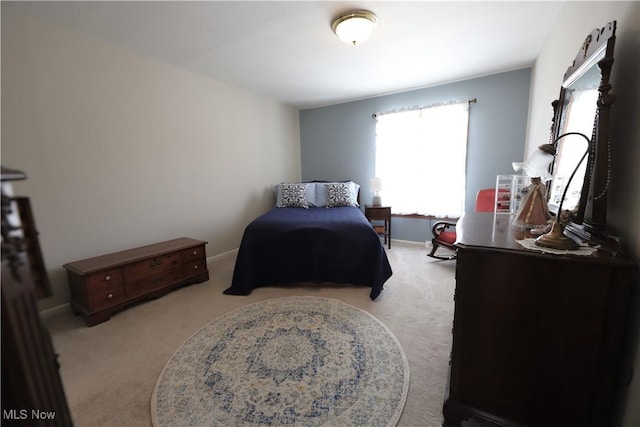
(303, 361)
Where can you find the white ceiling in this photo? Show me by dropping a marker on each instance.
(287, 51)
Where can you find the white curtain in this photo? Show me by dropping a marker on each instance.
(421, 159)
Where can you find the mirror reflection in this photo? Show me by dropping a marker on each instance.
(578, 115)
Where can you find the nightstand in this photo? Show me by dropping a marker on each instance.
(380, 218)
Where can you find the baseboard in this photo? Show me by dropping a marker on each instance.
(54, 311)
(222, 256)
(408, 242)
(66, 307)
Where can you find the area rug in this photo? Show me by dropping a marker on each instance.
(296, 361)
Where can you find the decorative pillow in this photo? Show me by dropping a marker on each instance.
(321, 192)
(293, 196)
(339, 194)
(311, 193)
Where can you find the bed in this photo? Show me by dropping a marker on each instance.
(314, 234)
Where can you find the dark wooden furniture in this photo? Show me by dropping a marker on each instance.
(32, 391)
(377, 214)
(444, 235)
(537, 337)
(105, 284)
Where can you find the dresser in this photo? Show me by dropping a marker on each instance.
(103, 285)
(537, 338)
(32, 390)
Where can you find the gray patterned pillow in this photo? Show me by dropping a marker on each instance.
(293, 196)
(339, 194)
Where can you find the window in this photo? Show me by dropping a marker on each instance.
(421, 159)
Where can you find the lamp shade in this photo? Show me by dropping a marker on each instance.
(354, 26)
(376, 184)
(376, 187)
(537, 165)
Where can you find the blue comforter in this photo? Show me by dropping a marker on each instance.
(292, 245)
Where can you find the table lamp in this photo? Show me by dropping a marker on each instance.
(555, 239)
(376, 187)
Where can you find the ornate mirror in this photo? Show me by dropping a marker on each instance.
(583, 106)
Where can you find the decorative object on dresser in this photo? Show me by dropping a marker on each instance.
(376, 214)
(32, 391)
(106, 284)
(533, 211)
(555, 239)
(297, 361)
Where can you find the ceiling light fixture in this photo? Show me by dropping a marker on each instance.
(355, 26)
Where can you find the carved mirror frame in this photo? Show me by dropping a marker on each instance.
(590, 216)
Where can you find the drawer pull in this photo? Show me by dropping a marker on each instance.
(195, 252)
(195, 267)
(156, 262)
(107, 277)
(110, 296)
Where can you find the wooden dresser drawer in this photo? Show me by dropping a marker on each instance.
(193, 254)
(105, 296)
(151, 266)
(195, 267)
(154, 282)
(104, 288)
(102, 279)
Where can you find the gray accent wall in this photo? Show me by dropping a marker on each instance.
(338, 142)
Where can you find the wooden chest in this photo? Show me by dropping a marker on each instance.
(103, 285)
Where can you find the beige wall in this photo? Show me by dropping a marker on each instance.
(575, 22)
(123, 151)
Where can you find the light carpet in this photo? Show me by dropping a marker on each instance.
(109, 370)
(287, 361)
